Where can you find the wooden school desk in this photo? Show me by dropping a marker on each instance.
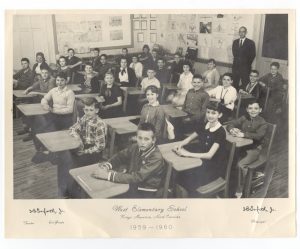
(130, 91)
(177, 162)
(173, 112)
(32, 109)
(240, 141)
(58, 141)
(86, 95)
(96, 188)
(74, 87)
(165, 88)
(19, 97)
(120, 126)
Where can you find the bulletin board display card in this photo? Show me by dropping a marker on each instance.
(84, 32)
(211, 34)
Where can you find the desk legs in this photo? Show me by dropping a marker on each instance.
(167, 182)
(125, 101)
(162, 95)
(112, 142)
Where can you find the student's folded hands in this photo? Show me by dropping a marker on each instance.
(100, 173)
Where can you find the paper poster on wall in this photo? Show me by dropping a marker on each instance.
(181, 38)
(153, 37)
(205, 25)
(205, 41)
(192, 28)
(82, 32)
(115, 21)
(192, 40)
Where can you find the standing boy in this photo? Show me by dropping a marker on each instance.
(141, 165)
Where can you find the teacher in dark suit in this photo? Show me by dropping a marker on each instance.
(243, 50)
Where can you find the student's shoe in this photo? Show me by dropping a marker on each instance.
(28, 138)
(238, 195)
(258, 175)
(53, 158)
(40, 157)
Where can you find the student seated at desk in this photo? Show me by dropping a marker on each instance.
(249, 126)
(150, 80)
(59, 101)
(125, 75)
(154, 114)
(162, 73)
(63, 67)
(211, 149)
(274, 81)
(90, 82)
(253, 87)
(226, 94)
(146, 59)
(137, 67)
(176, 68)
(124, 55)
(141, 165)
(196, 101)
(184, 84)
(73, 63)
(103, 67)
(44, 84)
(211, 76)
(110, 98)
(24, 77)
(96, 58)
(40, 63)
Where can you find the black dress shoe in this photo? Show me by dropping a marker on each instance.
(22, 132)
(28, 138)
(40, 157)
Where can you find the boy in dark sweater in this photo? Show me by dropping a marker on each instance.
(141, 165)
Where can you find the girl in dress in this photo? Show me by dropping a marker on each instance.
(211, 76)
(210, 149)
(63, 67)
(153, 113)
(90, 82)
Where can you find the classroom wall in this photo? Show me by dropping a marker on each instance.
(35, 33)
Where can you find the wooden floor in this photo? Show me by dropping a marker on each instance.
(39, 181)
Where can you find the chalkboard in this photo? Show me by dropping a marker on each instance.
(275, 41)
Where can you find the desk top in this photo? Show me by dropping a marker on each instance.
(170, 86)
(133, 90)
(86, 95)
(122, 125)
(178, 163)
(32, 109)
(20, 94)
(97, 188)
(58, 141)
(74, 87)
(246, 96)
(240, 141)
(173, 112)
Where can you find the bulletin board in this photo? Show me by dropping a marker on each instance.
(211, 34)
(84, 32)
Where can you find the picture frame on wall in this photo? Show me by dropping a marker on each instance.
(153, 25)
(143, 25)
(143, 16)
(136, 16)
(153, 37)
(136, 25)
(140, 37)
(153, 16)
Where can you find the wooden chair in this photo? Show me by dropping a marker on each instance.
(219, 184)
(263, 160)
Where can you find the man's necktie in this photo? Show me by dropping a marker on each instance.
(241, 42)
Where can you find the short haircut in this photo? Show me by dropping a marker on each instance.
(198, 76)
(215, 106)
(123, 59)
(25, 59)
(243, 27)
(103, 55)
(254, 101)
(178, 54)
(228, 74)
(125, 49)
(96, 49)
(62, 57)
(71, 49)
(146, 46)
(187, 63)
(89, 101)
(161, 59)
(276, 64)
(254, 71)
(152, 88)
(151, 68)
(146, 127)
(212, 60)
(88, 64)
(109, 73)
(44, 68)
(62, 75)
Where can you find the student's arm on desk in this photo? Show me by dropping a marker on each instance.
(237, 123)
(186, 141)
(258, 134)
(208, 155)
(118, 103)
